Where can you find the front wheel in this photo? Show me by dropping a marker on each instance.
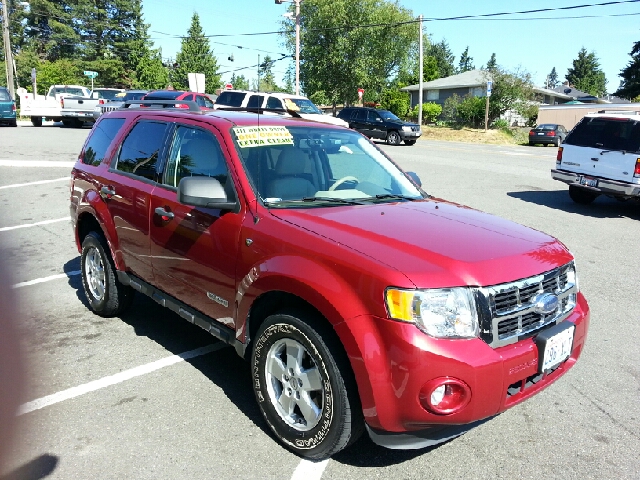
(106, 294)
(305, 391)
(581, 195)
(393, 138)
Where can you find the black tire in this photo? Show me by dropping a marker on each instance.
(77, 123)
(36, 121)
(410, 142)
(393, 138)
(582, 195)
(309, 400)
(106, 294)
(66, 123)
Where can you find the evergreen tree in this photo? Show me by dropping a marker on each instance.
(444, 58)
(492, 64)
(586, 74)
(239, 82)
(267, 79)
(49, 31)
(195, 56)
(630, 84)
(552, 79)
(466, 62)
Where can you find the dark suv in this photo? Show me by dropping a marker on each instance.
(381, 124)
(361, 303)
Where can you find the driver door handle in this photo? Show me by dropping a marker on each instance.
(164, 214)
(107, 192)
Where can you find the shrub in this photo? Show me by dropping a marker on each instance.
(395, 101)
(470, 111)
(500, 124)
(430, 112)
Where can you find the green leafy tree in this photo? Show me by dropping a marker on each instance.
(552, 79)
(195, 56)
(395, 101)
(471, 110)
(586, 75)
(410, 77)
(466, 62)
(510, 91)
(60, 72)
(630, 84)
(444, 58)
(492, 64)
(338, 57)
(239, 82)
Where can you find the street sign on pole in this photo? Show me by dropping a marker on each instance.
(91, 75)
(489, 85)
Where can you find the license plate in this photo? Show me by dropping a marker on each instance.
(589, 182)
(554, 346)
(540, 133)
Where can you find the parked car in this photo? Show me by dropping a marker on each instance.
(361, 302)
(601, 156)
(76, 110)
(304, 107)
(203, 101)
(381, 124)
(49, 106)
(7, 108)
(548, 134)
(118, 100)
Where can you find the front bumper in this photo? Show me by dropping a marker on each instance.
(413, 135)
(397, 359)
(605, 186)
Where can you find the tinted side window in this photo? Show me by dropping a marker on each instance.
(194, 153)
(231, 99)
(273, 102)
(372, 116)
(606, 134)
(140, 150)
(255, 101)
(100, 139)
(360, 115)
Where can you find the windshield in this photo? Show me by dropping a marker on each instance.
(304, 105)
(387, 115)
(306, 167)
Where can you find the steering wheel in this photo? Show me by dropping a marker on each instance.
(340, 181)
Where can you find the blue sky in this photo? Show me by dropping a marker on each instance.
(535, 42)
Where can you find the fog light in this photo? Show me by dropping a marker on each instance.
(444, 395)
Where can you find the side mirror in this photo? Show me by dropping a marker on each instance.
(206, 192)
(414, 176)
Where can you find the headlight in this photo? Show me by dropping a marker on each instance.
(441, 313)
(406, 129)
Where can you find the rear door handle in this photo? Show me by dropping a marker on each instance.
(107, 192)
(164, 214)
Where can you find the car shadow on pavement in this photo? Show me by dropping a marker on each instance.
(223, 367)
(602, 207)
(36, 469)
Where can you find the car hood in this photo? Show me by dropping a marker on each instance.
(435, 243)
(330, 119)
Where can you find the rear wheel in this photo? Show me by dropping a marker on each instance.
(106, 294)
(36, 121)
(581, 195)
(393, 138)
(304, 387)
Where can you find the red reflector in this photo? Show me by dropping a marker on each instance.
(559, 156)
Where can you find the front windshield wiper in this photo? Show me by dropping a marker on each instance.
(394, 196)
(310, 200)
(345, 201)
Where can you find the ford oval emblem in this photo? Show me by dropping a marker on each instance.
(545, 303)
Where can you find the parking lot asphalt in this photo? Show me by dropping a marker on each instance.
(148, 395)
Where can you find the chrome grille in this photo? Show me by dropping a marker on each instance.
(508, 311)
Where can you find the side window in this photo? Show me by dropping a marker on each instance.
(274, 102)
(194, 153)
(200, 100)
(255, 101)
(101, 137)
(140, 150)
(372, 116)
(360, 115)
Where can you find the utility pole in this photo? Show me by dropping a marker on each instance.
(421, 63)
(8, 57)
(288, 15)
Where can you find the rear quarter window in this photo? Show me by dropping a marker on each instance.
(231, 99)
(101, 137)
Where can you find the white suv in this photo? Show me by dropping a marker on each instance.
(601, 156)
(278, 101)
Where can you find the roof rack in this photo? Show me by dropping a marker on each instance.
(193, 106)
(259, 110)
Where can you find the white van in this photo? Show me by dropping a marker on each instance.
(601, 156)
(277, 101)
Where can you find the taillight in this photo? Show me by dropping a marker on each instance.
(531, 132)
(636, 172)
(62, 102)
(559, 156)
(551, 133)
(182, 105)
(13, 107)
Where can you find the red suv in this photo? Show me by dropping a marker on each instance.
(360, 301)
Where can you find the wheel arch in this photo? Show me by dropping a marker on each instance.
(95, 217)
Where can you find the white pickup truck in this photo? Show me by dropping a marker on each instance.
(48, 106)
(601, 156)
(79, 109)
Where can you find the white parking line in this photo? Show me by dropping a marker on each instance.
(308, 470)
(36, 163)
(115, 379)
(37, 224)
(18, 185)
(47, 279)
